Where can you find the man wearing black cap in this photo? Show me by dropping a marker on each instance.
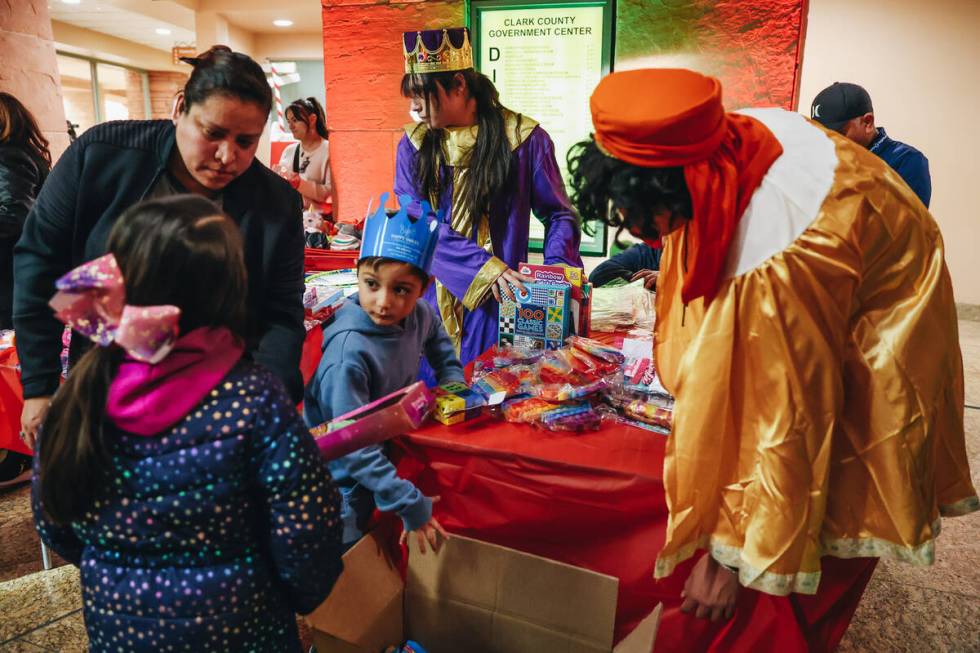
(846, 108)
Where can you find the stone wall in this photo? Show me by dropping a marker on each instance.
(30, 69)
(363, 67)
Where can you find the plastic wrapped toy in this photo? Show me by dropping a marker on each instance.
(526, 410)
(595, 348)
(497, 385)
(570, 417)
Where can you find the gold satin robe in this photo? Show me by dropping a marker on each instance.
(820, 394)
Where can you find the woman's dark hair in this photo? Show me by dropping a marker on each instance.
(604, 189)
(489, 162)
(18, 127)
(181, 251)
(303, 109)
(221, 71)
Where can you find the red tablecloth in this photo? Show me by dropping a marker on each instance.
(11, 403)
(596, 500)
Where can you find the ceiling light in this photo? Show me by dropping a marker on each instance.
(72, 2)
(162, 31)
(282, 22)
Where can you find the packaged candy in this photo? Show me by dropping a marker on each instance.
(497, 385)
(526, 410)
(648, 413)
(455, 403)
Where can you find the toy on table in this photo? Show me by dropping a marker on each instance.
(539, 319)
(570, 417)
(456, 402)
(526, 410)
(497, 385)
(508, 356)
(570, 391)
(407, 647)
(648, 413)
(597, 349)
(580, 291)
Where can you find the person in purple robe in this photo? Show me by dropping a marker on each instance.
(487, 168)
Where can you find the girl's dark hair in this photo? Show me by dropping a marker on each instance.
(221, 71)
(375, 262)
(603, 186)
(489, 162)
(179, 250)
(18, 127)
(303, 109)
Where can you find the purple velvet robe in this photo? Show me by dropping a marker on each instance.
(535, 184)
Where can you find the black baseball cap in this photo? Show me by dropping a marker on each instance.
(838, 103)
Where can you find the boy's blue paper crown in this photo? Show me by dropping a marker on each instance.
(400, 237)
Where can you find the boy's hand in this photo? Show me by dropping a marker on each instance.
(501, 286)
(430, 530)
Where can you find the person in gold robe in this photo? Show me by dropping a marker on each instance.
(805, 324)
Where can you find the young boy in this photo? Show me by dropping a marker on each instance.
(371, 348)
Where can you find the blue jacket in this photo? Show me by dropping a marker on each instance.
(363, 362)
(908, 162)
(625, 264)
(211, 535)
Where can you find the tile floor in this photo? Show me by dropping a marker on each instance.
(905, 609)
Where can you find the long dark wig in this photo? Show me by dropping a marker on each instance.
(182, 251)
(622, 195)
(489, 163)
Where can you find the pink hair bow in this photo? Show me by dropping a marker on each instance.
(91, 299)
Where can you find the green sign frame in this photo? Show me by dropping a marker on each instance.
(475, 10)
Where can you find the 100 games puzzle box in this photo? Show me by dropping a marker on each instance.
(539, 319)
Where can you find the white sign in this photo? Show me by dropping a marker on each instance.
(545, 62)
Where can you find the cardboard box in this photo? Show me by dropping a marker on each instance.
(581, 291)
(472, 597)
(539, 319)
(380, 420)
(456, 402)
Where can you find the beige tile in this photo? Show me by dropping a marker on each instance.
(66, 635)
(970, 346)
(21, 551)
(32, 601)
(899, 618)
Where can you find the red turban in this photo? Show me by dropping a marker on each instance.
(659, 118)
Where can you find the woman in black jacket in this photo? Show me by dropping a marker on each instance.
(208, 149)
(24, 164)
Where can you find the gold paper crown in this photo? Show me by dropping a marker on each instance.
(445, 58)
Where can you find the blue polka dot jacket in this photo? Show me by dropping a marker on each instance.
(210, 535)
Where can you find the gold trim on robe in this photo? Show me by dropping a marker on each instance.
(457, 146)
(819, 395)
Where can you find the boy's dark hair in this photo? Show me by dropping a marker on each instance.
(303, 109)
(178, 250)
(490, 159)
(224, 72)
(603, 185)
(375, 262)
